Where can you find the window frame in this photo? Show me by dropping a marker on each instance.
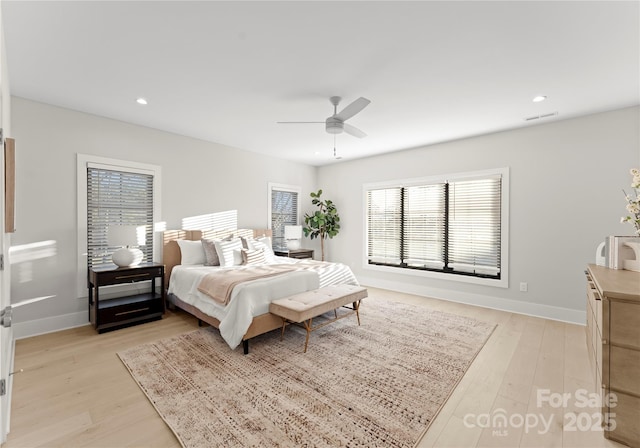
(83, 161)
(502, 282)
(281, 187)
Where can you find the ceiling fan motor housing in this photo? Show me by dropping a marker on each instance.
(334, 126)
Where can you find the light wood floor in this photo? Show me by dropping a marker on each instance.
(75, 392)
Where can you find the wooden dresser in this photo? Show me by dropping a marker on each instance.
(613, 342)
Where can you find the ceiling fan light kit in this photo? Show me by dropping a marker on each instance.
(335, 124)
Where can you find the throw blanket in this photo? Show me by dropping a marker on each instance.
(219, 285)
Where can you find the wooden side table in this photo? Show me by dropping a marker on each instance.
(294, 253)
(109, 314)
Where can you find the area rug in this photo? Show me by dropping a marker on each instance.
(376, 385)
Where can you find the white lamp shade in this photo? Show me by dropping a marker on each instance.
(292, 232)
(123, 236)
(293, 235)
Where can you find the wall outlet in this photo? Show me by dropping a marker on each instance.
(523, 287)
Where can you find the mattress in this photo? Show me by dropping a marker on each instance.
(252, 298)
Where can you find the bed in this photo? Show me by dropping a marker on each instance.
(246, 314)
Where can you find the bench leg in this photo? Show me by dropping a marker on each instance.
(284, 324)
(356, 308)
(307, 326)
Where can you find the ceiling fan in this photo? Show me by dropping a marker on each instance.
(335, 124)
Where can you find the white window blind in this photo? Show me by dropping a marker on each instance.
(424, 226)
(474, 226)
(284, 212)
(451, 226)
(384, 225)
(117, 198)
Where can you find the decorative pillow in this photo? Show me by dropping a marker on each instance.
(247, 242)
(264, 243)
(210, 253)
(191, 252)
(251, 256)
(237, 256)
(226, 249)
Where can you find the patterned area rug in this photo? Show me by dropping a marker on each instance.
(378, 384)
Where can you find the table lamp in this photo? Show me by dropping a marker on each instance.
(292, 236)
(125, 237)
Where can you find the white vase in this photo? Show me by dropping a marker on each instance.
(632, 265)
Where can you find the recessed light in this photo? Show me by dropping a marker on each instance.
(142, 101)
(539, 98)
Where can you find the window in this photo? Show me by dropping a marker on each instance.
(452, 225)
(117, 198)
(113, 191)
(283, 210)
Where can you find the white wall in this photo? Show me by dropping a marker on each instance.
(566, 196)
(197, 178)
(566, 181)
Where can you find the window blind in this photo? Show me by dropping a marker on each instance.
(384, 225)
(424, 226)
(284, 212)
(474, 226)
(117, 198)
(450, 226)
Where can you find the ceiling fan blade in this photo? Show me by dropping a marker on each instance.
(298, 122)
(352, 130)
(352, 109)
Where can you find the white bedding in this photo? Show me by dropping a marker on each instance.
(252, 298)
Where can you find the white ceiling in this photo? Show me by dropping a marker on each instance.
(227, 71)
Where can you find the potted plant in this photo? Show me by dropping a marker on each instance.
(324, 223)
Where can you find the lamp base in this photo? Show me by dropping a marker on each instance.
(293, 244)
(126, 257)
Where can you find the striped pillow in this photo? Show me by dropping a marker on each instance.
(265, 245)
(253, 256)
(226, 249)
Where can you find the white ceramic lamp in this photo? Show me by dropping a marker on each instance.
(125, 237)
(293, 235)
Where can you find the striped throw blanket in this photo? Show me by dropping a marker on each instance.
(219, 285)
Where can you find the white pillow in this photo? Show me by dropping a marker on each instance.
(229, 252)
(247, 242)
(191, 251)
(251, 256)
(264, 243)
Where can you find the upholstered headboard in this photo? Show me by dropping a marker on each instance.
(171, 250)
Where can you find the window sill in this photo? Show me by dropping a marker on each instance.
(496, 283)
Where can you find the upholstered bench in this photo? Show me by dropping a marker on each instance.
(302, 308)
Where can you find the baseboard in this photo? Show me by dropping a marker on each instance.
(57, 323)
(513, 306)
(46, 325)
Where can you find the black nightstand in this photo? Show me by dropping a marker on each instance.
(109, 314)
(294, 253)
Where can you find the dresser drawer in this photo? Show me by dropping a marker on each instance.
(598, 351)
(115, 311)
(626, 364)
(625, 422)
(118, 277)
(595, 303)
(626, 330)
